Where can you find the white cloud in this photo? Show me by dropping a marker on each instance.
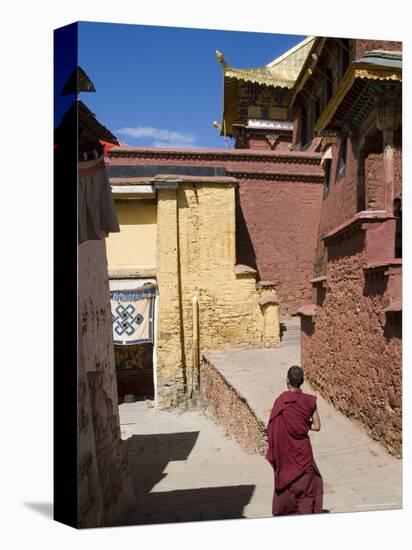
(161, 137)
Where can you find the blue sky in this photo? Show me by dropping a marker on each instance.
(162, 86)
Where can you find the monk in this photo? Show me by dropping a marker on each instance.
(298, 483)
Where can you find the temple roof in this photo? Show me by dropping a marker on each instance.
(79, 119)
(281, 72)
(78, 82)
(354, 97)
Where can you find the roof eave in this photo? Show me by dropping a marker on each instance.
(302, 77)
(356, 70)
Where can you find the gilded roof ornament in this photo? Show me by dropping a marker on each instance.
(220, 58)
(279, 73)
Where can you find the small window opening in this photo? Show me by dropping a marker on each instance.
(397, 212)
(316, 110)
(342, 158)
(303, 127)
(264, 111)
(326, 179)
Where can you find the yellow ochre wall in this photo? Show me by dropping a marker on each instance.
(196, 257)
(135, 246)
(189, 234)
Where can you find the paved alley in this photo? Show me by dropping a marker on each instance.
(187, 467)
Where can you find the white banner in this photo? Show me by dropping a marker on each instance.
(132, 317)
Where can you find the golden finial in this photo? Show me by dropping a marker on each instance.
(220, 58)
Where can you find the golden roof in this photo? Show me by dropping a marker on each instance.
(281, 72)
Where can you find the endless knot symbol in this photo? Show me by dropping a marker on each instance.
(125, 319)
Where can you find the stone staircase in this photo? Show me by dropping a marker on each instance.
(290, 332)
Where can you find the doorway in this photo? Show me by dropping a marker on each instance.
(133, 316)
(134, 372)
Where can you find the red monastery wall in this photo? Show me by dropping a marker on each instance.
(363, 46)
(277, 233)
(340, 203)
(360, 373)
(278, 209)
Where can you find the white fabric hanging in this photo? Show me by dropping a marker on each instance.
(132, 315)
(96, 210)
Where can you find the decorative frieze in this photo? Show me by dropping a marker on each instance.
(238, 155)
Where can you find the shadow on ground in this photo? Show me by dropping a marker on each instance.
(43, 508)
(148, 456)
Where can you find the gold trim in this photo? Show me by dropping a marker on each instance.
(380, 75)
(262, 76)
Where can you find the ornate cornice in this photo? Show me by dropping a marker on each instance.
(238, 155)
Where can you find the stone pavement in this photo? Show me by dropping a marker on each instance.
(186, 467)
(358, 472)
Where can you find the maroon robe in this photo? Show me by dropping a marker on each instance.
(298, 483)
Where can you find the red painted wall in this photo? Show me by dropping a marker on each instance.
(359, 368)
(341, 202)
(277, 233)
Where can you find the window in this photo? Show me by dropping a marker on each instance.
(326, 179)
(303, 127)
(264, 111)
(316, 110)
(342, 158)
(397, 212)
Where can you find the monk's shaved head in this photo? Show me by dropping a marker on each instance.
(295, 376)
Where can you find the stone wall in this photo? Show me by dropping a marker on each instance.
(374, 180)
(105, 491)
(230, 409)
(363, 46)
(196, 258)
(360, 372)
(397, 162)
